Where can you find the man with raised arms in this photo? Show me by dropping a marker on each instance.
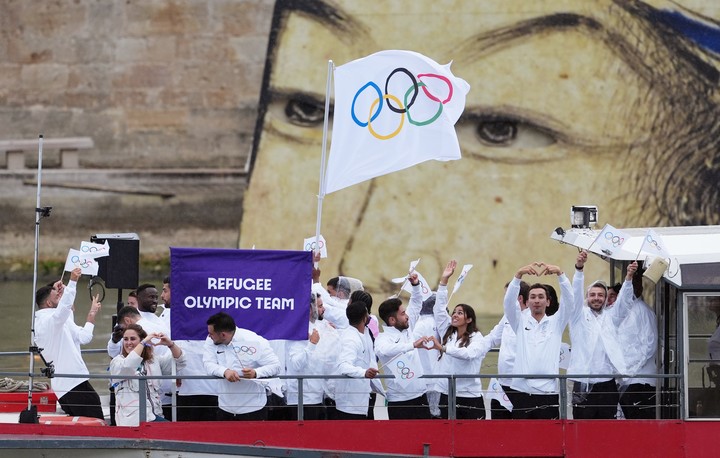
(538, 341)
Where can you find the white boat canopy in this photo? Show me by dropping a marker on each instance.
(694, 250)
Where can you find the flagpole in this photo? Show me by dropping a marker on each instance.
(323, 178)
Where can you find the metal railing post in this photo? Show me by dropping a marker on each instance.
(452, 401)
(300, 414)
(142, 394)
(563, 397)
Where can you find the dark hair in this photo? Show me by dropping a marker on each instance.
(166, 280)
(356, 312)
(463, 340)
(147, 353)
(42, 294)
(125, 311)
(333, 282)
(554, 302)
(539, 286)
(524, 290)
(222, 322)
(362, 296)
(143, 287)
(616, 287)
(389, 308)
(132, 293)
(428, 305)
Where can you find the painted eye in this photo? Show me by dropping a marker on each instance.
(499, 136)
(497, 132)
(304, 111)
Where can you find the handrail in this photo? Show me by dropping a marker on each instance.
(452, 414)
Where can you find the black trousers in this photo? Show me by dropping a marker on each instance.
(197, 407)
(528, 406)
(499, 412)
(340, 415)
(466, 408)
(600, 402)
(310, 412)
(82, 401)
(638, 402)
(412, 409)
(258, 415)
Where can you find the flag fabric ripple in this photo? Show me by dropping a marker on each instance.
(393, 109)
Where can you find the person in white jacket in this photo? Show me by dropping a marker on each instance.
(463, 349)
(503, 336)
(426, 327)
(538, 341)
(638, 339)
(138, 358)
(307, 357)
(357, 361)
(240, 357)
(596, 349)
(406, 398)
(60, 338)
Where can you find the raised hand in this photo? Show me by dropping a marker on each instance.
(581, 260)
(447, 273)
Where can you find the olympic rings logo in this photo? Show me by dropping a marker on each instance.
(616, 240)
(312, 245)
(245, 349)
(653, 242)
(424, 288)
(89, 249)
(401, 107)
(82, 262)
(405, 372)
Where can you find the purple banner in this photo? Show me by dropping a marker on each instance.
(265, 291)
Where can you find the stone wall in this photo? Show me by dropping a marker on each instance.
(155, 83)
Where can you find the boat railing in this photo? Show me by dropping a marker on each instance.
(451, 378)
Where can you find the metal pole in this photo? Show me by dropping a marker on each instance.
(38, 215)
(300, 414)
(321, 190)
(563, 398)
(142, 404)
(452, 401)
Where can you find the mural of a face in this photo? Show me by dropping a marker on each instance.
(571, 102)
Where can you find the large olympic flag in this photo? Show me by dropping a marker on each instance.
(393, 110)
(265, 291)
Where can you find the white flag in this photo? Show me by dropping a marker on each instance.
(466, 268)
(424, 287)
(496, 392)
(95, 250)
(565, 355)
(76, 258)
(393, 109)
(310, 245)
(610, 239)
(653, 244)
(406, 368)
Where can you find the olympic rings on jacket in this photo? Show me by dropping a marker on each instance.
(400, 107)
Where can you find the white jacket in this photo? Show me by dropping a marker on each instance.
(127, 396)
(595, 342)
(246, 350)
(538, 343)
(457, 359)
(638, 338)
(60, 338)
(352, 395)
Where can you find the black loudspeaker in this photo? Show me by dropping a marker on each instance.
(121, 269)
